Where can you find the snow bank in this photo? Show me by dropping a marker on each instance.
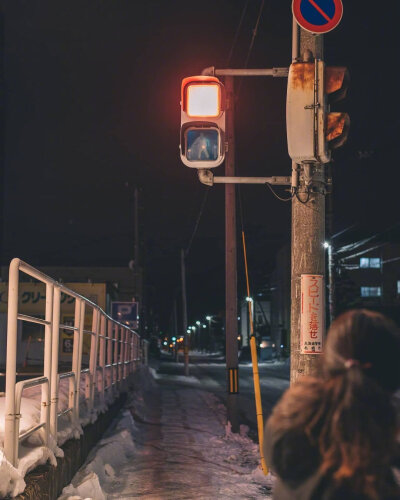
(32, 452)
(103, 463)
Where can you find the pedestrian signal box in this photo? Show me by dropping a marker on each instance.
(312, 129)
(202, 139)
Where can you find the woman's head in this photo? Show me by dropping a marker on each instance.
(367, 340)
(347, 413)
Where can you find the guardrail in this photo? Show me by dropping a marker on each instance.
(114, 351)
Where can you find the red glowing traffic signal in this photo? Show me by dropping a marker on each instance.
(202, 122)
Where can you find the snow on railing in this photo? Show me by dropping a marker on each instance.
(114, 350)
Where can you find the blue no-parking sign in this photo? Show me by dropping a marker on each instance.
(126, 313)
(318, 16)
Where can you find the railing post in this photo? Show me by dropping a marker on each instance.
(46, 388)
(102, 354)
(125, 345)
(131, 334)
(54, 362)
(93, 355)
(11, 419)
(116, 355)
(110, 329)
(78, 339)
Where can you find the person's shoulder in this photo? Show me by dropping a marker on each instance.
(297, 403)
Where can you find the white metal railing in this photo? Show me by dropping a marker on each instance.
(114, 351)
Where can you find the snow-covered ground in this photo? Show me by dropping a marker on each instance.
(171, 442)
(32, 452)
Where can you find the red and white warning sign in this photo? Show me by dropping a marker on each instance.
(312, 321)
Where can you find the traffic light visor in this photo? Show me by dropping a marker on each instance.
(203, 100)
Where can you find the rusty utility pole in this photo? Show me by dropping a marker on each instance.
(231, 330)
(308, 222)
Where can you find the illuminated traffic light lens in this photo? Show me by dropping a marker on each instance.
(203, 100)
(202, 145)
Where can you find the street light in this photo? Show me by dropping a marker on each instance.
(331, 282)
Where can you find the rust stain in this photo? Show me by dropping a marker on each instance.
(302, 76)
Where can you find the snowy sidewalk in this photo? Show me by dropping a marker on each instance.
(171, 442)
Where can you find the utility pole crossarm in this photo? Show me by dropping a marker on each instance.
(208, 178)
(276, 72)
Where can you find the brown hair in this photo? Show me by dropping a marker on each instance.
(347, 413)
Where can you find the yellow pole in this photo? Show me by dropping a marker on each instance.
(256, 377)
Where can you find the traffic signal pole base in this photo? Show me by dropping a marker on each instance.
(232, 412)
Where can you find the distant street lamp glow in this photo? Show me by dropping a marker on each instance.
(198, 323)
(326, 244)
(249, 299)
(208, 318)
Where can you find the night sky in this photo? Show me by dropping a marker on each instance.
(91, 95)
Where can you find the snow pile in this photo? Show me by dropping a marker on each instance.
(32, 452)
(103, 464)
(171, 442)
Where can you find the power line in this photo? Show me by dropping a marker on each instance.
(254, 33)
(237, 33)
(255, 30)
(203, 203)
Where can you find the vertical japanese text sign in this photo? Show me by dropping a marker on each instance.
(312, 322)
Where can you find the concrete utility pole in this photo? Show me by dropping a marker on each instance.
(231, 330)
(184, 314)
(308, 222)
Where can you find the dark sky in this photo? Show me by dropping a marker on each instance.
(92, 110)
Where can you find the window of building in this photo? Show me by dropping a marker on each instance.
(371, 262)
(371, 291)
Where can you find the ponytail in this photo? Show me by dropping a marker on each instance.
(349, 419)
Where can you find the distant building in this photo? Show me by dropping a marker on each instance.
(101, 285)
(370, 278)
(366, 274)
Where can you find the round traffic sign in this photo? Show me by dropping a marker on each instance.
(318, 16)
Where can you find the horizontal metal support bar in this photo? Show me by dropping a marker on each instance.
(32, 319)
(68, 327)
(283, 181)
(89, 332)
(31, 431)
(276, 72)
(207, 177)
(26, 384)
(66, 375)
(64, 412)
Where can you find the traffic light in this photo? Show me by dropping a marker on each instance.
(312, 129)
(202, 139)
